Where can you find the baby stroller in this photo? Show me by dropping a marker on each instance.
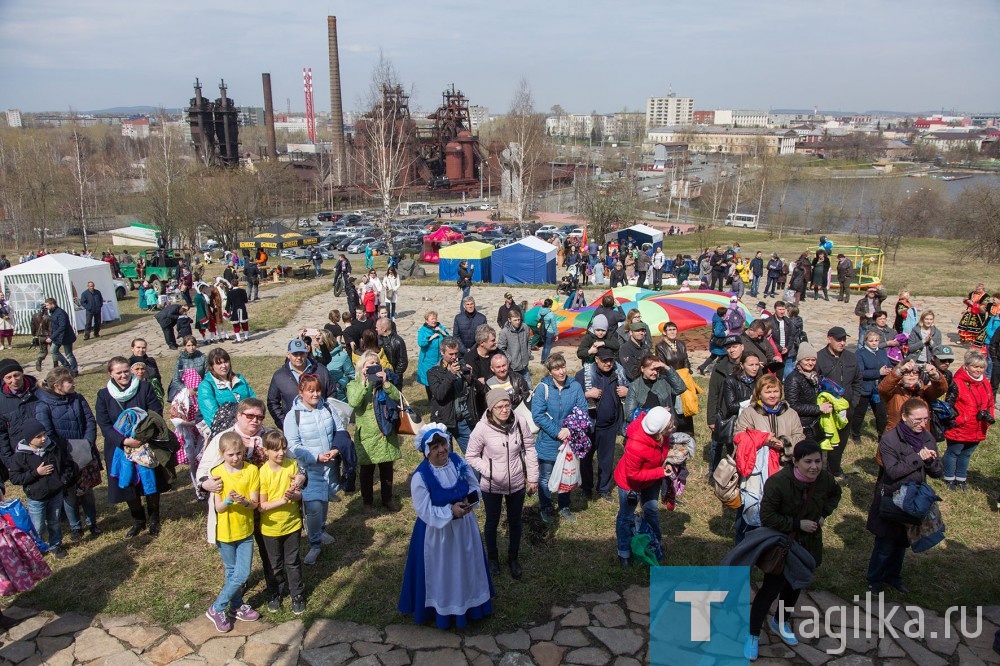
(569, 282)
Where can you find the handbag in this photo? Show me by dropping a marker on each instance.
(772, 560)
(887, 510)
(524, 414)
(409, 419)
(21, 562)
(81, 452)
(13, 512)
(90, 477)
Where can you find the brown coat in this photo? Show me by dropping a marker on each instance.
(893, 394)
(215, 305)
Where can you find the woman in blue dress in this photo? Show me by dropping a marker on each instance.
(446, 579)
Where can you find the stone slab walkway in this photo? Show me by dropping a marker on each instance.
(596, 630)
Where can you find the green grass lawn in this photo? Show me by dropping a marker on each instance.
(175, 576)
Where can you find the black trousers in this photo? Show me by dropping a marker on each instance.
(368, 483)
(282, 557)
(604, 450)
(834, 457)
(717, 279)
(93, 321)
(169, 337)
(773, 587)
(861, 410)
(494, 506)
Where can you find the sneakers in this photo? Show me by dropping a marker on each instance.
(95, 531)
(299, 605)
(274, 604)
(246, 614)
(606, 497)
(76, 536)
(750, 648)
(962, 486)
(567, 515)
(311, 556)
(784, 631)
(59, 552)
(327, 539)
(221, 622)
(547, 516)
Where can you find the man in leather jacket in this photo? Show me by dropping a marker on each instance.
(393, 346)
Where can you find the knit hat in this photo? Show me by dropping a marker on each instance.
(494, 396)
(30, 428)
(427, 432)
(9, 365)
(656, 420)
(599, 323)
(806, 350)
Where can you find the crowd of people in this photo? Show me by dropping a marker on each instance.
(781, 411)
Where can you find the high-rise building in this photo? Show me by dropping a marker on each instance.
(669, 110)
(478, 116)
(14, 118)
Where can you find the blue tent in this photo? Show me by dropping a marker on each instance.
(474, 252)
(528, 261)
(640, 235)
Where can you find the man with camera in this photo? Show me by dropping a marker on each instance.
(453, 400)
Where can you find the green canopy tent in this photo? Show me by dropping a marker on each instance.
(277, 237)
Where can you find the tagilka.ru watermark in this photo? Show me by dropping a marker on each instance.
(702, 615)
(870, 618)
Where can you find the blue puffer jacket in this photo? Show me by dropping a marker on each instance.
(430, 350)
(549, 406)
(869, 364)
(341, 371)
(309, 435)
(719, 331)
(69, 416)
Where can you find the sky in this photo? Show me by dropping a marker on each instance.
(584, 55)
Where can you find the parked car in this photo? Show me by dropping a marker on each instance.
(357, 245)
(328, 216)
(121, 289)
(483, 228)
(295, 253)
(546, 228)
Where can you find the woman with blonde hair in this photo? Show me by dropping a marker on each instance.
(374, 448)
(905, 312)
(924, 337)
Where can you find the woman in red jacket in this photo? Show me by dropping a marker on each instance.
(639, 475)
(976, 411)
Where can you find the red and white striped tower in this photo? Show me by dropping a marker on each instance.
(307, 81)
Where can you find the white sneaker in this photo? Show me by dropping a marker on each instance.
(311, 556)
(327, 539)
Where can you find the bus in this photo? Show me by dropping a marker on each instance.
(412, 208)
(741, 220)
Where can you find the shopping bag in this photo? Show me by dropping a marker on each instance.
(15, 513)
(524, 413)
(409, 420)
(566, 471)
(21, 563)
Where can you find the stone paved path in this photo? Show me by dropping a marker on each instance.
(596, 630)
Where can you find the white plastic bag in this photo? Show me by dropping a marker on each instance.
(524, 412)
(566, 471)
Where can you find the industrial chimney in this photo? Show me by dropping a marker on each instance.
(336, 105)
(272, 143)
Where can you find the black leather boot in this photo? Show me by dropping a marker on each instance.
(153, 506)
(137, 527)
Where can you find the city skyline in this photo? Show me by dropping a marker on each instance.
(859, 55)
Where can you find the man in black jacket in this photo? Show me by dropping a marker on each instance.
(774, 267)
(91, 300)
(786, 334)
(17, 402)
(503, 314)
(139, 355)
(393, 345)
(452, 402)
(756, 272)
(632, 350)
(606, 394)
(167, 319)
(61, 334)
(284, 386)
(251, 271)
(724, 368)
(755, 341)
(466, 323)
(840, 366)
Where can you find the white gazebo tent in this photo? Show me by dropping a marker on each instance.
(62, 277)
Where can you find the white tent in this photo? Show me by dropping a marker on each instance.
(62, 277)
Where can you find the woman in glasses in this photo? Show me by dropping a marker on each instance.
(910, 380)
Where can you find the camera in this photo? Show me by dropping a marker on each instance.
(632, 498)
(985, 417)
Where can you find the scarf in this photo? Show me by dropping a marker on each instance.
(126, 394)
(813, 376)
(748, 380)
(799, 476)
(771, 410)
(914, 439)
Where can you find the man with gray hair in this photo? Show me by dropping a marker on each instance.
(393, 345)
(452, 401)
(466, 323)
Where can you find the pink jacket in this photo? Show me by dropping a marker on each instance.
(505, 461)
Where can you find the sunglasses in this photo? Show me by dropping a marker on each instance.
(253, 417)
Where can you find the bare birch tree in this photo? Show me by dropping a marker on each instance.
(165, 175)
(522, 131)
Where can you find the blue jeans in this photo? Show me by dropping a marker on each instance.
(71, 504)
(237, 556)
(68, 359)
(789, 366)
(754, 285)
(544, 496)
(316, 511)
(886, 562)
(461, 433)
(465, 294)
(254, 290)
(47, 513)
(624, 524)
(547, 346)
(770, 286)
(956, 460)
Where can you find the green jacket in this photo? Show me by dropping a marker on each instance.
(782, 505)
(372, 446)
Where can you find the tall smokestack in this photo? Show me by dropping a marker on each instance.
(336, 104)
(272, 142)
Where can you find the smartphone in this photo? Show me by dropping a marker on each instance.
(472, 499)
(373, 370)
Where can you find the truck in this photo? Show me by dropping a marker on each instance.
(159, 270)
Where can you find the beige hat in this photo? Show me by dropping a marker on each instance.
(806, 350)
(494, 396)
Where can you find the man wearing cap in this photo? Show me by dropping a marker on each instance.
(503, 314)
(17, 402)
(633, 349)
(841, 367)
(606, 387)
(91, 300)
(61, 334)
(723, 368)
(284, 386)
(393, 345)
